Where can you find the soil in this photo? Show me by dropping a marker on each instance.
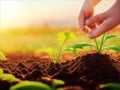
(85, 72)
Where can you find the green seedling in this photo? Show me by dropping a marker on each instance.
(63, 37)
(57, 83)
(33, 85)
(8, 77)
(99, 47)
(113, 86)
(2, 57)
(103, 40)
(30, 85)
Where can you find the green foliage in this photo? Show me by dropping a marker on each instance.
(115, 48)
(1, 71)
(110, 36)
(63, 37)
(8, 77)
(113, 86)
(57, 83)
(76, 46)
(30, 85)
(103, 40)
(99, 47)
(34, 85)
(72, 50)
(2, 57)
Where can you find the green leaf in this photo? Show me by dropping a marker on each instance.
(115, 48)
(1, 71)
(30, 85)
(62, 38)
(2, 57)
(57, 83)
(8, 77)
(65, 35)
(60, 89)
(72, 50)
(113, 86)
(81, 46)
(110, 36)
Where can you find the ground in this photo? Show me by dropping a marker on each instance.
(85, 72)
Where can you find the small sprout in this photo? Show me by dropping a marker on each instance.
(103, 40)
(33, 85)
(97, 46)
(30, 85)
(62, 38)
(57, 83)
(2, 57)
(113, 86)
(8, 77)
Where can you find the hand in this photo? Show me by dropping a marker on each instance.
(105, 21)
(86, 12)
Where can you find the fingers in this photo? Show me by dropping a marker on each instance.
(95, 20)
(105, 26)
(81, 20)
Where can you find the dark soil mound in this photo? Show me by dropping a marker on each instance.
(85, 73)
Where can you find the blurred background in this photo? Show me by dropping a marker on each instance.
(29, 25)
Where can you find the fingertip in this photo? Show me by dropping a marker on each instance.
(81, 28)
(91, 35)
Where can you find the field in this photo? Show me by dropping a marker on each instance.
(32, 40)
(27, 59)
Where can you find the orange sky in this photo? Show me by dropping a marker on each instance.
(23, 13)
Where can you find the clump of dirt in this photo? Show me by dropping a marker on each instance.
(97, 69)
(84, 73)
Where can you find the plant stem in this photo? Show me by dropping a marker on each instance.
(60, 50)
(97, 45)
(101, 44)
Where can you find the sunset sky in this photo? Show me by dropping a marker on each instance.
(23, 13)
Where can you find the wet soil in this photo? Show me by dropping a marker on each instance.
(85, 72)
